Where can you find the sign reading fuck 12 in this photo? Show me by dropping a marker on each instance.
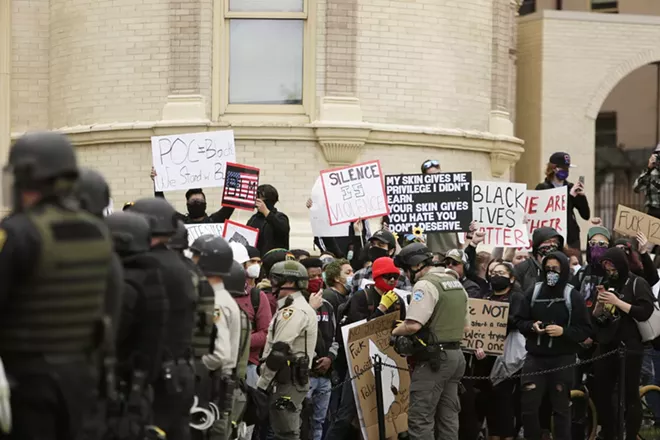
(354, 192)
(193, 160)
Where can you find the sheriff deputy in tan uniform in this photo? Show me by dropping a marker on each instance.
(289, 349)
(437, 318)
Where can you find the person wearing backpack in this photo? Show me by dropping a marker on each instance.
(623, 300)
(554, 320)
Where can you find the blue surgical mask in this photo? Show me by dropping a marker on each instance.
(349, 283)
(349, 255)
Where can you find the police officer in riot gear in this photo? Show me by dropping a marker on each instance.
(215, 261)
(141, 333)
(54, 265)
(174, 390)
(435, 321)
(289, 349)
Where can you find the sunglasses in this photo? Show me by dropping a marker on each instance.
(430, 164)
(601, 244)
(452, 263)
(390, 276)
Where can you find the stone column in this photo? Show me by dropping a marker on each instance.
(503, 28)
(5, 77)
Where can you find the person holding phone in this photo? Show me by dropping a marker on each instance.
(556, 175)
(649, 183)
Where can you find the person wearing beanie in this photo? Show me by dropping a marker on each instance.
(544, 241)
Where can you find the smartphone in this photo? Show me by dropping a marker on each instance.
(581, 180)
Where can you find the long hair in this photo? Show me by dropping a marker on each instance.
(550, 170)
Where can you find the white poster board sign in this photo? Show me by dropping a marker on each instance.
(193, 160)
(197, 230)
(547, 208)
(239, 233)
(353, 192)
(318, 215)
(499, 208)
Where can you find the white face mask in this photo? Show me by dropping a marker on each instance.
(576, 269)
(253, 271)
(218, 286)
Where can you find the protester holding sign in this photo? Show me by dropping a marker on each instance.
(272, 224)
(556, 176)
(553, 318)
(196, 204)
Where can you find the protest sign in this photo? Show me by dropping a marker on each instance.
(245, 235)
(488, 320)
(194, 160)
(318, 215)
(547, 208)
(499, 208)
(362, 342)
(241, 185)
(197, 230)
(354, 192)
(630, 222)
(429, 202)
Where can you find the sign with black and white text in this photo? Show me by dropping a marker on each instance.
(431, 202)
(499, 209)
(354, 192)
(194, 160)
(241, 184)
(197, 230)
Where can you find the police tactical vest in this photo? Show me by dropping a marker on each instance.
(58, 309)
(448, 319)
(202, 342)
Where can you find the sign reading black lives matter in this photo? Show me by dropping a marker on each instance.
(432, 202)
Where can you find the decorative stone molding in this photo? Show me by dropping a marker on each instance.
(185, 108)
(341, 143)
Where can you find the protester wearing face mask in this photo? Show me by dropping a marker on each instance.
(374, 301)
(553, 318)
(639, 260)
(556, 176)
(273, 225)
(196, 204)
(544, 241)
(314, 267)
(381, 244)
(623, 298)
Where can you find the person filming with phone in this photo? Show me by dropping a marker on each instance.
(556, 175)
(649, 183)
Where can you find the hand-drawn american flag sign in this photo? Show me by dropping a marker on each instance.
(241, 184)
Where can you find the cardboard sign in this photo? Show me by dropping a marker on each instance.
(195, 160)
(629, 222)
(362, 342)
(241, 184)
(499, 207)
(488, 321)
(547, 208)
(354, 192)
(197, 230)
(245, 235)
(429, 202)
(318, 215)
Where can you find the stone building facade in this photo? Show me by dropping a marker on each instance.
(305, 85)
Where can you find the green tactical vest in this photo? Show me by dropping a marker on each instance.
(238, 406)
(203, 330)
(448, 319)
(58, 309)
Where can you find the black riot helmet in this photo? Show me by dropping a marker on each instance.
(197, 245)
(235, 282)
(216, 258)
(40, 161)
(131, 232)
(161, 215)
(92, 191)
(413, 255)
(179, 241)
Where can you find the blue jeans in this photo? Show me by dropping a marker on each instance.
(653, 400)
(319, 394)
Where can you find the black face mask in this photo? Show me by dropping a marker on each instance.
(499, 283)
(375, 253)
(196, 209)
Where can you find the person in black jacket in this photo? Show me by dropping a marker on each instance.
(273, 225)
(556, 175)
(196, 204)
(639, 260)
(457, 260)
(553, 318)
(623, 298)
(544, 241)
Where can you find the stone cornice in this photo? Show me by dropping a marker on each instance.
(341, 142)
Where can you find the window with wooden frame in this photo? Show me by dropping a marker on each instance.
(265, 57)
(608, 6)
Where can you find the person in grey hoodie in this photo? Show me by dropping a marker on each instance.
(544, 241)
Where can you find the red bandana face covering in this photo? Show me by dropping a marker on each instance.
(315, 285)
(385, 285)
